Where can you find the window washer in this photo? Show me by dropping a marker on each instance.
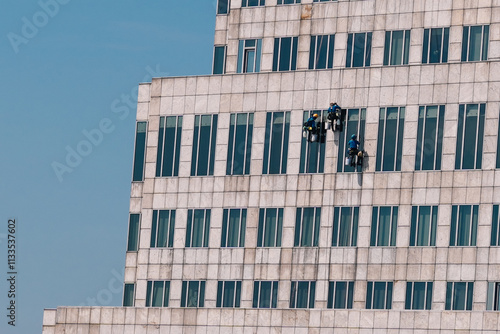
(310, 127)
(354, 151)
(335, 116)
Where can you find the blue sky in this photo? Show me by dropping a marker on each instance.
(58, 80)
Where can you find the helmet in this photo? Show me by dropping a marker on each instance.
(315, 115)
(354, 137)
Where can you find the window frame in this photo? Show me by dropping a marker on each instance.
(315, 228)
(375, 227)
(493, 296)
(205, 239)
(292, 63)
(137, 237)
(269, 144)
(124, 296)
(244, 3)
(155, 229)
(344, 138)
(456, 213)
(138, 159)
(416, 224)
(451, 295)
(215, 67)
(382, 138)
(160, 150)
(463, 109)
(257, 294)
(195, 155)
(221, 293)
(232, 144)
(243, 52)
(370, 295)
(351, 46)
(484, 43)
(295, 286)
(150, 293)
(226, 228)
(333, 287)
(444, 45)
(225, 8)
(404, 52)
(186, 287)
(318, 147)
(495, 226)
(262, 227)
(410, 296)
(337, 239)
(438, 140)
(314, 51)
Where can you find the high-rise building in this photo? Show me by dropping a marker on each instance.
(238, 224)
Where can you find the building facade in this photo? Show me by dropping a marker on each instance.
(239, 225)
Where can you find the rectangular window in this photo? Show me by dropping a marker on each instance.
(228, 293)
(285, 54)
(169, 146)
(223, 6)
(270, 227)
(493, 296)
(265, 294)
(384, 226)
(157, 293)
(162, 229)
(475, 43)
(252, 3)
(470, 133)
(287, 2)
(128, 294)
(423, 226)
(193, 294)
(397, 47)
(276, 142)
(459, 296)
(302, 294)
(379, 296)
(359, 49)
(345, 226)
(307, 224)
(495, 227)
(355, 124)
(312, 154)
(239, 149)
(321, 52)
(340, 294)
(418, 296)
(390, 139)
(140, 151)
(429, 138)
(435, 48)
(464, 220)
(219, 59)
(204, 139)
(133, 232)
(323, 0)
(233, 228)
(198, 228)
(249, 53)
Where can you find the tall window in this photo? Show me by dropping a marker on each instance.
(459, 295)
(233, 228)
(345, 226)
(223, 6)
(219, 59)
(429, 138)
(470, 133)
(495, 227)
(312, 154)
(133, 232)
(157, 293)
(418, 296)
(384, 226)
(302, 294)
(475, 43)
(228, 293)
(321, 52)
(397, 47)
(359, 49)
(355, 124)
(162, 228)
(287, 2)
(249, 53)
(435, 48)
(307, 224)
(239, 149)
(252, 3)
(498, 148)
(169, 146)
(493, 296)
(340, 294)
(140, 151)
(204, 139)
(276, 143)
(270, 227)
(464, 220)
(198, 228)
(128, 294)
(285, 54)
(390, 139)
(193, 294)
(423, 226)
(379, 295)
(265, 294)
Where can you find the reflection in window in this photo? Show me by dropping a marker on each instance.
(312, 154)
(429, 138)
(418, 296)
(397, 47)
(470, 133)
(198, 228)
(359, 48)
(307, 225)
(285, 54)
(169, 146)
(379, 295)
(228, 294)
(239, 150)
(276, 142)
(204, 139)
(302, 294)
(435, 48)
(233, 228)
(193, 294)
(219, 60)
(464, 219)
(459, 296)
(140, 151)
(162, 228)
(345, 226)
(265, 294)
(475, 43)
(157, 293)
(270, 227)
(355, 124)
(390, 139)
(321, 52)
(423, 226)
(340, 294)
(249, 53)
(384, 226)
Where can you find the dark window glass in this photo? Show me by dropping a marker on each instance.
(276, 142)
(252, 3)
(495, 227)
(423, 226)
(379, 295)
(219, 60)
(321, 52)
(355, 124)
(493, 296)
(359, 47)
(459, 296)
(307, 225)
(302, 294)
(345, 226)
(312, 154)
(470, 132)
(390, 139)
(198, 228)
(162, 228)
(464, 220)
(223, 6)
(435, 47)
(193, 294)
(265, 294)
(397, 47)
(340, 295)
(239, 150)
(429, 138)
(384, 226)
(249, 54)
(233, 228)
(270, 227)
(285, 54)
(128, 294)
(204, 139)
(133, 232)
(140, 151)
(418, 296)
(157, 293)
(228, 294)
(287, 2)
(475, 43)
(169, 145)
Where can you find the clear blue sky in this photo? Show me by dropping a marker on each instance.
(62, 80)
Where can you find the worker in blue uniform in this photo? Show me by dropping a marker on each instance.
(354, 150)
